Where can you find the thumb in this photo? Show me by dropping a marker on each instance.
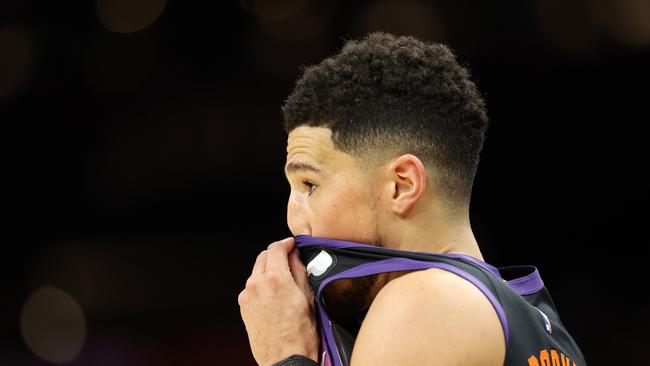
(299, 273)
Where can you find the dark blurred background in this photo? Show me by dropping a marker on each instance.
(142, 156)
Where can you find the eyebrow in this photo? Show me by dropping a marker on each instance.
(298, 166)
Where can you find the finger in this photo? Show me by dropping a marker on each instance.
(299, 273)
(277, 259)
(260, 264)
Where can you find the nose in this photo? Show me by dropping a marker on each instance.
(297, 215)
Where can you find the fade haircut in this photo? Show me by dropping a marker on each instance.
(384, 96)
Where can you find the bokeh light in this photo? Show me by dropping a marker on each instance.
(579, 26)
(568, 25)
(625, 21)
(128, 16)
(308, 23)
(274, 10)
(17, 56)
(407, 17)
(53, 325)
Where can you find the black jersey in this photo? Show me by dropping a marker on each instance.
(534, 334)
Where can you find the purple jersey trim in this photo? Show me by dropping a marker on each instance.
(310, 241)
(401, 264)
(326, 360)
(528, 284)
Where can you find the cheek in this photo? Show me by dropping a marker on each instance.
(344, 216)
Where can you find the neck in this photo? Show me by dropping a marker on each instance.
(433, 233)
(443, 238)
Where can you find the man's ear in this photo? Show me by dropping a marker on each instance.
(409, 179)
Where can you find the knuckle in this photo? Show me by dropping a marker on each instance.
(272, 277)
(273, 280)
(241, 299)
(262, 254)
(251, 283)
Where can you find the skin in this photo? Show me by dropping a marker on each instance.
(422, 317)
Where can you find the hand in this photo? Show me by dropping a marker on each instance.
(277, 306)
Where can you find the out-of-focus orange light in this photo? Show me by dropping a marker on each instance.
(128, 16)
(53, 325)
(308, 23)
(625, 21)
(273, 10)
(402, 17)
(16, 61)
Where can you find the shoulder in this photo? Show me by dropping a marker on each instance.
(431, 317)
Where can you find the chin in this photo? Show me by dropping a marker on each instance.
(375, 239)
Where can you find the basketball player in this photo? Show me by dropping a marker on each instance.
(383, 145)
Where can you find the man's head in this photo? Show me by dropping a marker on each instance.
(394, 127)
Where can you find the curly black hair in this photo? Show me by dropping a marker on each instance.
(388, 95)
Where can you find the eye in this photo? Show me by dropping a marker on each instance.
(310, 186)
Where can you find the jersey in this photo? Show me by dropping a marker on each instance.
(534, 333)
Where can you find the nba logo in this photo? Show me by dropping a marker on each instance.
(320, 264)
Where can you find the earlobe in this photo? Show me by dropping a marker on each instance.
(409, 177)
